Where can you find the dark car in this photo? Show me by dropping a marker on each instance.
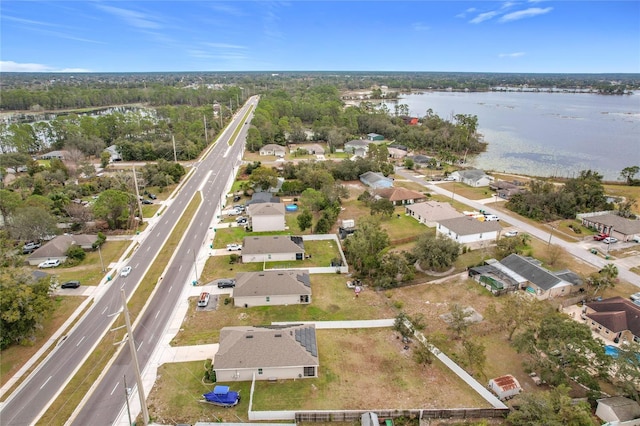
(147, 202)
(226, 283)
(152, 196)
(71, 284)
(236, 198)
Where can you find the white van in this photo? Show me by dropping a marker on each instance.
(491, 218)
(204, 299)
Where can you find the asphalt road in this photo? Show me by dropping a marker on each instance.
(27, 404)
(573, 248)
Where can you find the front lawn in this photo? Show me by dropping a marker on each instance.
(89, 271)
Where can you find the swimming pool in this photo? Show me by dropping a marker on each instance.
(611, 351)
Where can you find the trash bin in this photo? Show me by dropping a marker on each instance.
(594, 251)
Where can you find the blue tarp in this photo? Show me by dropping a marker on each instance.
(221, 395)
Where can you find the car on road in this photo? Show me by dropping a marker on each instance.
(71, 284)
(601, 236)
(226, 283)
(125, 271)
(30, 247)
(635, 296)
(147, 202)
(203, 301)
(610, 240)
(511, 233)
(52, 263)
(234, 247)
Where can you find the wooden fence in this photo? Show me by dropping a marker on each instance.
(354, 415)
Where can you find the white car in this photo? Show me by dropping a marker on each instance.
(610, 240)
(635, 296)
(125, 271)
(49, 264)
(234, 247)
(511, 233)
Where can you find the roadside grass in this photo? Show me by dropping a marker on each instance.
(15, 356)
(64, 405)
(331, 301)
(218, 267)
(467, 191)
(236, 132)
(89, 272)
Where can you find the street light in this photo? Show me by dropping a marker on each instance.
(101, 262)
(550, 235)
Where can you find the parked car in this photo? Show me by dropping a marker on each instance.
(511, 233)
(125, 271)
(235, 212)
(50, 264)
(204, 300)
(636, 239)
(152, 196)
(491, 218)
(601, 236)
(71, 284)
(234, 247)
(30, 247)
(241, 220)
(635, 296)
(610, 240)
(147, 202)
(236, 198)
(226, 283)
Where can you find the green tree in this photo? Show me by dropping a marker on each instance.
(475, 356)
(364, 247)
(436, 253)
(626, 370)
(422, 354)
(550, 408)
(9, 202)
(382, 206)
(31, 223)
(603, 279)
(263, 178)
(24, 306)
(629, 174)
(305, 220)
(458, 320)
(517, 311)
(114, 207)
(105, 158)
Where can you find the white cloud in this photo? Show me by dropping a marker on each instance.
(131, 17)
(511, 55)
(527, 13)
(419, 26)
(225, 8)
(11, 66)
(464, 14)
(224, 46)
(483, 17)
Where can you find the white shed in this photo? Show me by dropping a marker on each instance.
(505, 387)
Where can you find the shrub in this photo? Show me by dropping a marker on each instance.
(75, 253)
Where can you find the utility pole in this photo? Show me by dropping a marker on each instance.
(134, 355)
(101, 262)
(206, 137)
(126, 395)
(135, 184)
(175, 156)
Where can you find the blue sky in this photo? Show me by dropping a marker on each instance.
(480, 36)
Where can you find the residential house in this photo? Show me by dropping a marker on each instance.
(617, 226)
(397, 153)
(57, 248)
(505, 387)
(472, 177)
(424, 160)
(262, 197)
(619, 411)
(399, 146)
(273, 149)
(376, 180)
(467, 230)
(269, 288)
(497, 278)
(375, 137)
(313, 148)
(411, 121)
(540, 281)
(264, 217)
(113, 152)
(275, 248)
(400, 196)
(505, 189)
(616, 319)
(357, 144)
(60, 155)
(267, 353)
(430, 212)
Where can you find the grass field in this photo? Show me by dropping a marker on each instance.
(89, 272)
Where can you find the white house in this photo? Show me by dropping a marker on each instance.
(264, 217)
(113, 152)
(276, 248)
(270, 288)
(376, 180)
(273, 149)
(505, 387)
(269, 352)
(60, 155)
(618, 410)
(430, 212)
(353, 145)
(400, 196)
(466, 230)
(472, 177)
(540, 281)
(57, 248)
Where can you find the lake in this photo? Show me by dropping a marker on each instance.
(545, 134)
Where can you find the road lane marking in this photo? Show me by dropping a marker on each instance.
(140, 345)
(170, 288)
(115, 387)
(105, 310)
(180, 268)
(80, 341)
(45, 382)
(158, 313)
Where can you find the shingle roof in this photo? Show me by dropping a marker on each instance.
(263, 347)
(59, 245)
(373, 177)
(616, 314)
(473, 174)
(265, 209)
(358, 143)
(466, 225)
(434, 211)
(273, 147)
(272, 283)
(619, 224)
(625, 409)
(532, 272)
(270, 245)
(399, 194)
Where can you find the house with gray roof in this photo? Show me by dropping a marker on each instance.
(614, 318)
(541, 282)
(57, 248)
(619, 411)
(114, 153)
(269, 288)
(273, 149)
(430, 212)
(272, 248)
(472, 177)
(267, 352)
(617, 226)
(376, 180)
(265, 217)
(60, 155)
(353, 145)
(468, 230)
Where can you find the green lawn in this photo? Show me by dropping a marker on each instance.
(89, 271)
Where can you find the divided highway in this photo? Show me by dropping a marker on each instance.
(33, 397)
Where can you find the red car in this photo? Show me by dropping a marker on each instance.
(600, 236)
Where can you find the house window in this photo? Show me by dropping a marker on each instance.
(309, 371)
(269, 256)
(268, 299)
(304, 298)
(259, 370)
(480, 236)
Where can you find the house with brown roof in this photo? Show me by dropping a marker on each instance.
(400, 196)
(267, 352)
(467, 230)
(272, 248)
(264, 217)
(57, 248)
(430, 212)
(616, 319)
(617, 226)
(269, 288)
